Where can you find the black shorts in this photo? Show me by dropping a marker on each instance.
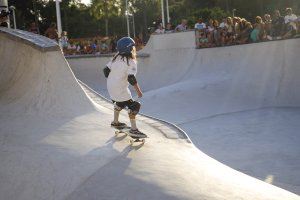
(124, 104)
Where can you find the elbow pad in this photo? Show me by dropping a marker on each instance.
(131, 79)
(106, 71)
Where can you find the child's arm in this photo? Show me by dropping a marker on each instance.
(138, 90)
(132, 80)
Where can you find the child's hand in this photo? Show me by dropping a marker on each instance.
(140, 94)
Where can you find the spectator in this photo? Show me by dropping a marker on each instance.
(222, 24)
(236, 28)
(71, 49)
(245, 33)
(138, 42)
(113, 44)
(200, 25)
(4, 18)
(51, 32)
(203, 41)
(182, 26)
(258, 31)
(241, 25)
(169, 28)
(104, 47)
(229, 28)
(79, 48)
(87, 49)
(160, 29)
(290, 21)
(210, 31)
(216, 33)
(277, 25)
(33, 28)
(222, 29)
(268, 26)
(95, 47)
(64, 39)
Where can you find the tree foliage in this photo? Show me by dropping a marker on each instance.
(80, 20)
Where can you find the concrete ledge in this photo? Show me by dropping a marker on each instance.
(168, 129)
(139, 55)
(36, 41)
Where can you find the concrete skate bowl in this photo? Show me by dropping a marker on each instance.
(239, 104)
(56, 143)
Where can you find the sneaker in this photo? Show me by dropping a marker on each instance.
(118, 125)
(137, 133)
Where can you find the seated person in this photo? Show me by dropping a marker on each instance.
(160, 29)
(4, 18)
(203, 41)
(290, 21)
(33, 28)
(169, 28)
(181, 27)
(104, 47)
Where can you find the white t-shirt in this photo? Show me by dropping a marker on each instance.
(117, 83)
(200, 26)
(160, 31)
(222, 25)
(290, 18)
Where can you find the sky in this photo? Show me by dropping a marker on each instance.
(86, 1)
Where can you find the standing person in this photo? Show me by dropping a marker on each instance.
(120, 72)
(51, 32)
(277, 25)
(200, 25)
(268, 26)
(258, 31)
(229, 31)
(64, 39)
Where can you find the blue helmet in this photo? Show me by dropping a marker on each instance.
(125, 44)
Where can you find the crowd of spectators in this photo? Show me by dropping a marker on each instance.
(228, 31)
(80, 46)
(96, 45)
(237, 30)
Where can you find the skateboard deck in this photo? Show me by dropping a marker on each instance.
(125, 130)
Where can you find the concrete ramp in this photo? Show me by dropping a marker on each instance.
(239, 104)
(56, 143)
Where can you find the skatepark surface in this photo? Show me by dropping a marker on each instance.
(238, 104)
(56, 142)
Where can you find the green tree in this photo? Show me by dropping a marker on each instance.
(104, 9)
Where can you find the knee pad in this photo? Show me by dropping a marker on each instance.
(134, 108)
(117, 108)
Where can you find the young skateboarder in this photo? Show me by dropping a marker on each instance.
(120, 72)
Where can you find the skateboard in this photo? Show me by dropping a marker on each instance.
(125, 130)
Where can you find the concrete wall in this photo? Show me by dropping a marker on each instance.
(261, 74)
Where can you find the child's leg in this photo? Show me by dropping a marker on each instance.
(134, 109)
(132, 121)
(117, 111)
(118, 106)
